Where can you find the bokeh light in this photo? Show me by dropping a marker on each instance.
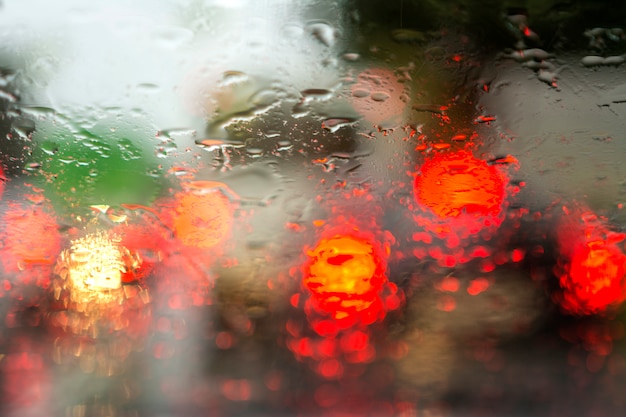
(24, 251)
(592, 264)
(461, 204)
(147, 242)
(344, 292)
(203, 215)
(345, 276)
(92, 269)
(594, 341)
(96, 318)
(27, 387)
(457, 183)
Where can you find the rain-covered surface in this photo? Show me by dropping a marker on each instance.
(312, 208)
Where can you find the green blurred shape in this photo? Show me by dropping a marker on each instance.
(77, 169)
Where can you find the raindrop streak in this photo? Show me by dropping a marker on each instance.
(334, 124)
(432, 108)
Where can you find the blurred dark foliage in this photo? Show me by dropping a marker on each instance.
(558, 23)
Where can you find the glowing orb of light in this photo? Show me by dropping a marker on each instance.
(99, 317)
(593, 279)
(93, 269)
(456, 183)
(591, 264)
(345, 276)
(203, 216)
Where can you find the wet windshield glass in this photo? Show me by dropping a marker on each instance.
(313, 208)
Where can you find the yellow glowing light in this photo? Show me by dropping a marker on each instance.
(93, 269)
(345, 265)
(344, 275)
(101, 319)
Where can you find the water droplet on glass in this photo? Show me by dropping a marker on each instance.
(213, 144)
(172, 36)
(380, 96)
(9, 97)
(592, 61)
(360, 93)
(614, 60)
(148, 88)
(334, 124)
(263, 99)
(254, 152)
(352, 57)
(323, 32)
(234, 77)
(316, 94)
(408, 35)
(284, 145)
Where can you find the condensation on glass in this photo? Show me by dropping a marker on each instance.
(314, 208)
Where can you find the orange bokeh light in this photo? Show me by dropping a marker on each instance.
(345, 276)
(454, 183)
(30, 238)
(203, 217)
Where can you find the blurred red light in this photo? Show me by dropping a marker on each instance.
(458, 197)
(31, 242)
(592, 265)
(146, 241)
(345, 276)
(454, 183)
(593, 280)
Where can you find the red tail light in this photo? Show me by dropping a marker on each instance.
(345, 276)
(592, 264)
(455, 184)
